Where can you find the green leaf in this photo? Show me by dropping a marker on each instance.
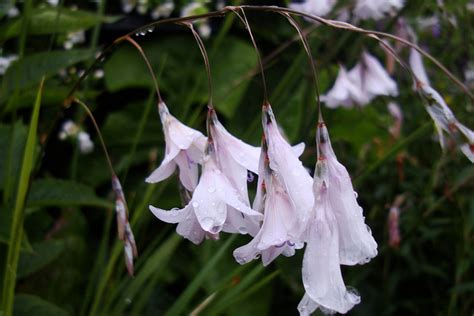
(56, 192)
(43, 254)
(230, 69)
(27, 72)
(44, 21)
(12, 142)
(26, 305)
(16, 234)
(5, 229)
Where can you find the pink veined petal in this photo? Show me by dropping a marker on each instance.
(166, 167)
(322, 278)
(190, 229)
(307, 306)
(290, 171)
(188, 170)
(416, 64)
(356, 244)
(172, 216)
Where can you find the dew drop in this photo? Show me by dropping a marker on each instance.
(206, 222)
(242, 230)
(211, 190)
(150, 29)
(355, 194)
(217, 171)
(195, 204)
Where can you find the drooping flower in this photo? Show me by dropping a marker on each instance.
(356, 244)
(215, 205)
(162, 10)
(277, 233)
(361, 84)
(376, 9)
(184, 148)
(322, 278)
(314, 7)
(345, 92)
(416, 64)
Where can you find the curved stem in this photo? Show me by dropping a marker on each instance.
(202, 48)
(247, 26)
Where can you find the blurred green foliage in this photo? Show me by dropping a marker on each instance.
(71, 261)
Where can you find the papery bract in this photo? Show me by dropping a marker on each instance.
(322, 276)
(356, 244)
(184, 148)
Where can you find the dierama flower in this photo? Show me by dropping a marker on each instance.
(314, 7)
(397, 115)
(356, 244)
(215, 205)
(277, 234)
(322, 278)
(184, 148)
(376, 9)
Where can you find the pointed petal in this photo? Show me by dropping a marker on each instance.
(307, 306)
(172, 216)
(166, 167)
(416, 64)
(298, 149)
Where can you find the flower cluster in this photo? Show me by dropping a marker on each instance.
(290, 208)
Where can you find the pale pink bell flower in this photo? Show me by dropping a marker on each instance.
(322, 278)
(376, 9)
(184, 148)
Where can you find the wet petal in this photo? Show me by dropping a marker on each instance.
(166, 167)
(376, 80)
(188, 170)
(172, 216)
(416, 64)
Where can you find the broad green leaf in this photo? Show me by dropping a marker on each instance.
(27, 72)
(44, 21)
(56, 192)
(28, 305)
(43, 253)
(16, 234)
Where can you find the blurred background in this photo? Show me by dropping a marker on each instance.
(417, 200)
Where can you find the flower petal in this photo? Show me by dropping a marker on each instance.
(172, 216)
(188, 170)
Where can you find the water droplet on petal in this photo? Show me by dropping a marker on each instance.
(355, 194)
(217, 171)
(207, 222)
(195, 204)
(211, 190)
(242, 230)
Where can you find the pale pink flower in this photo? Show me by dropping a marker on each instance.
(345, 92)
(276, 236)
(322, 278)
(376, 9)
(314, 7)
(361, 84)
(416, 65)
(215, 206)
(446, 122)
(356, 244)
(184, 148)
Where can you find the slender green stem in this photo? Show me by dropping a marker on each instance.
(16, 232)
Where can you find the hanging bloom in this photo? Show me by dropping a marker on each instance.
(416, 64)
(314, 7)
(361, 84)
(372, 77)
(277, 234)
(446, 122)
(356, 244)
(376, 9)
(184, 148)
(345, 92)
(163, 10)
(322, 278)
(215, 205)
(86, 145)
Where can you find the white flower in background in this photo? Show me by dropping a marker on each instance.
(215, 204)
(13, 12)
(74, 38)
(376, 9)
(68, 129)
(195, 8)
(277, 234)
(53, 2)
(322, 278)
(184, 149)
(85, 143)
(142, 6)
(314, 7)
(356, 244)
(5, 62)
(162, 10)
(361, 84)
(128, 5)
(344, 93)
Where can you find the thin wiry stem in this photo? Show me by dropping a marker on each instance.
(225, 10)
(202, 48)
(96, 126)
(152, 73)
(311, 61)
(247, 26)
